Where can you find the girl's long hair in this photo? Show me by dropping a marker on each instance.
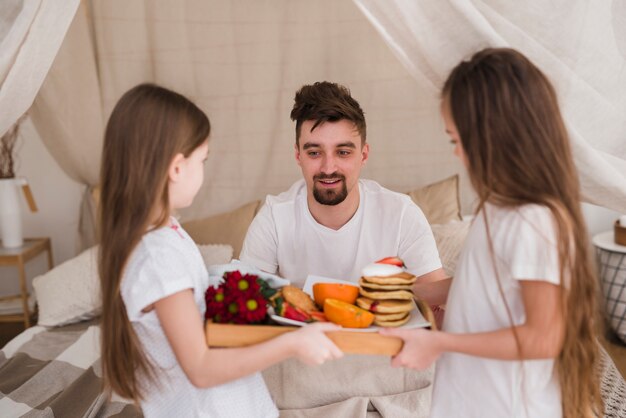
(149, 126)
(518, 152)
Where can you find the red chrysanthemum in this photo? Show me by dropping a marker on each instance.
(238, 284)
(215, 302)
(252, 309)
(238, 299)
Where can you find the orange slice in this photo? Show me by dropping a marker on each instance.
(345, 292)
(346, 314)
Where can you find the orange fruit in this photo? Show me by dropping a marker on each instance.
(346, 314)
(345, 292)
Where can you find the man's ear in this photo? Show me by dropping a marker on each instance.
(365, 153)
(297, 151)
(176, 167)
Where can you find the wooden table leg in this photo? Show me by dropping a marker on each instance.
(24, 291)
(49, 249)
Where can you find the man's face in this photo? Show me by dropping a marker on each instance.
(331, 158)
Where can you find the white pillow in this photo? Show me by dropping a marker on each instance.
(216, 253)
(70, 292)
(450, 238)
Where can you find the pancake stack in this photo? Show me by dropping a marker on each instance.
(385, 290)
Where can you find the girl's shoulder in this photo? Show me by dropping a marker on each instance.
(530, 223)
(158, 267)
(534, 210)
(157, 243)
(526, 214)
(162, 246)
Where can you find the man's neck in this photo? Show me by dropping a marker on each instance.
(334, 217)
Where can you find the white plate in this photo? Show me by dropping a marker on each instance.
(417, 319)
(216, 274)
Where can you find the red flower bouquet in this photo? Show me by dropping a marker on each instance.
(239, 299)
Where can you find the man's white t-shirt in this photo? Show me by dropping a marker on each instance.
(524, 241)
(285, 239)
(167, 261)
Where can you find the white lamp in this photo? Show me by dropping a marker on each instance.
(10, 212)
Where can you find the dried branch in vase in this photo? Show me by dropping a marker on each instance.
(7, 147)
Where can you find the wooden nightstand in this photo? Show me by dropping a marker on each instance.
(19, 257)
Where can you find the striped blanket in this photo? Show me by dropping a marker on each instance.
(55, 372)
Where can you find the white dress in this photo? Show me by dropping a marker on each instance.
(165, 262)
(524, 240)
(284, 238)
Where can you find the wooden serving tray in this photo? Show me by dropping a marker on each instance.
(229, 335)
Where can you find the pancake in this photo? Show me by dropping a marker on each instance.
(399, 278)
(392, 323)
(390, 316)
(385, 306)
(386, 295)
(364, 283)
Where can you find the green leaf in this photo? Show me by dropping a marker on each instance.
(266, 291)
(279, 305)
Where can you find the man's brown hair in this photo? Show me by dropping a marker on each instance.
(326, 102)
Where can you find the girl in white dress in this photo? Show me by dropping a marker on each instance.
(153, 277)
(518, 337)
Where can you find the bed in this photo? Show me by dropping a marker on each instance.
(53, 369)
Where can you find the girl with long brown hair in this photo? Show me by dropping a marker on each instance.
(153, 278)
(518, 335)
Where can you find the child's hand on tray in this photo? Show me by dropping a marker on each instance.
(311, 345)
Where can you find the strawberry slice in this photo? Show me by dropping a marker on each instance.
(318, 316)
(396, 261)
(287, 310)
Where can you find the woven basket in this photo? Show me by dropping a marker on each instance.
(612, 269)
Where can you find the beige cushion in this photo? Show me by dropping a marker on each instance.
(213, 254)
(450, 238)
(225, 228)
(70, 292)
(439, 201)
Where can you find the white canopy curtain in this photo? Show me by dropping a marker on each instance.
(580, 44)
(241, 61)
(40, 65)
(31, 32)
(69, 117)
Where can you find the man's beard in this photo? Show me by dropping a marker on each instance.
(330, 197)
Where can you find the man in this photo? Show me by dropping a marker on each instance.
(331, 223)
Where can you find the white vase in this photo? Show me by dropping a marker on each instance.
(10, 212)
